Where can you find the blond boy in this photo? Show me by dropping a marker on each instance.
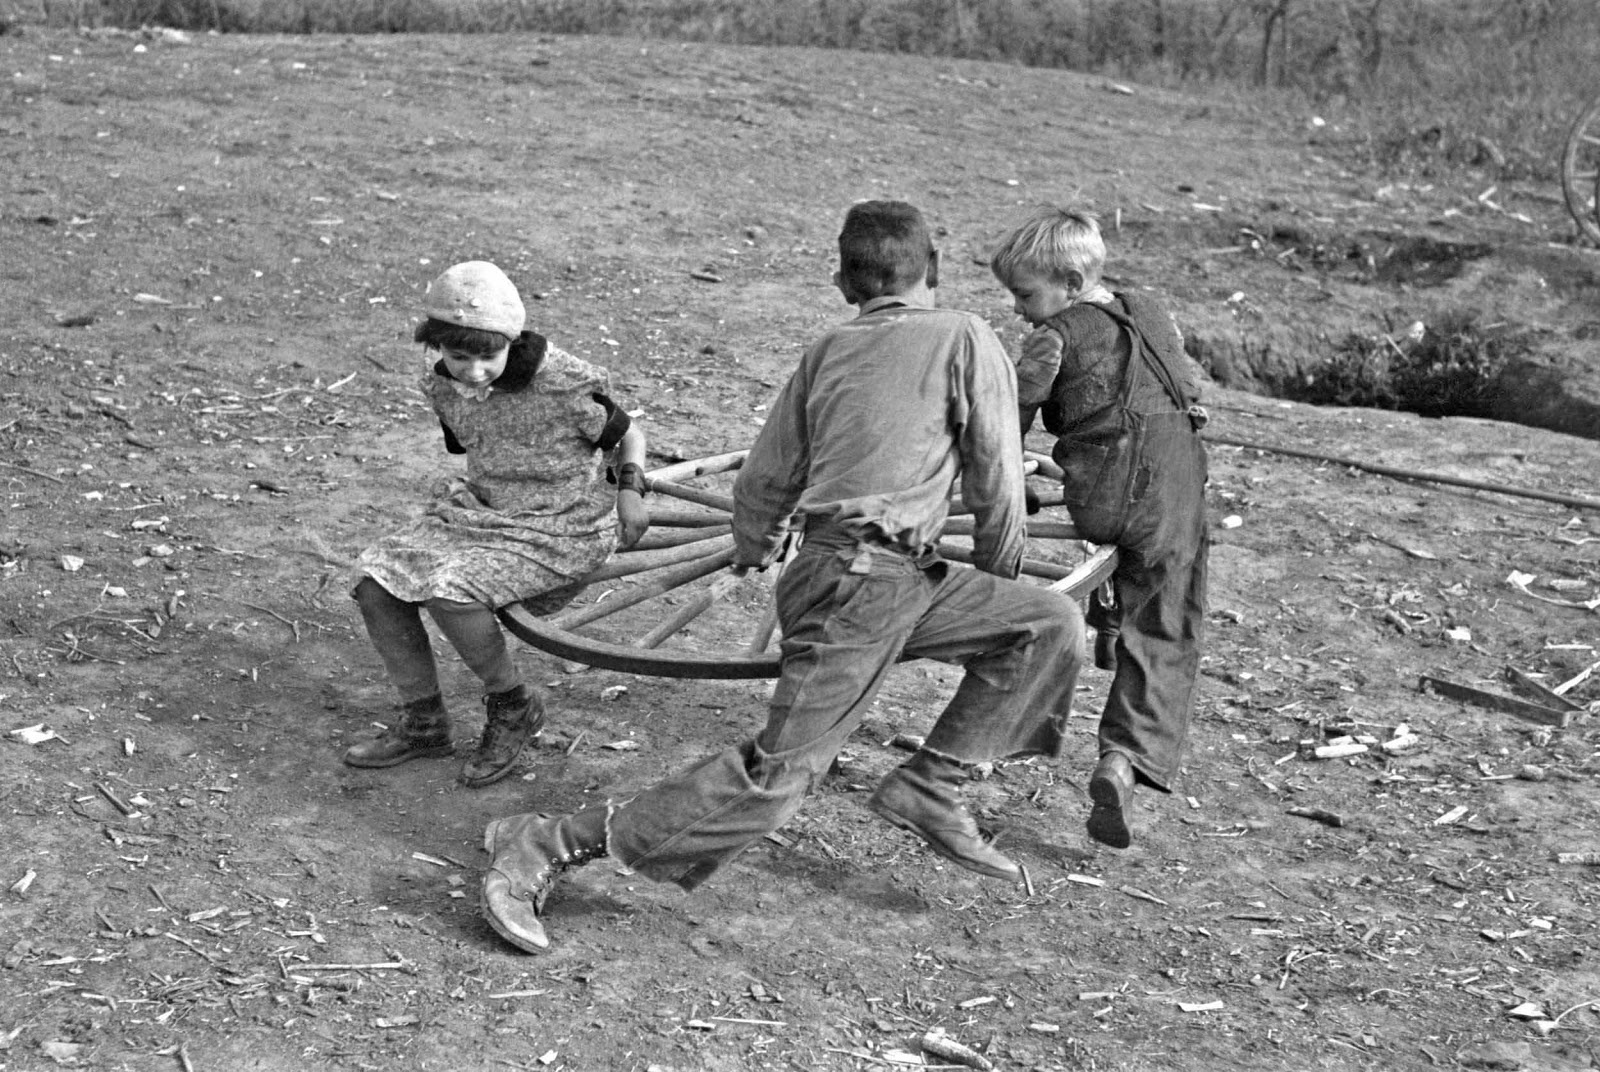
(1109, 376)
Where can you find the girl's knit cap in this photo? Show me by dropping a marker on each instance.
(476, 294)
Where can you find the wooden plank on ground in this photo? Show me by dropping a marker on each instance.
(1494, 701)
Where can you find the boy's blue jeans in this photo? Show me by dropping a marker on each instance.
(849, 612)
(1160, 585)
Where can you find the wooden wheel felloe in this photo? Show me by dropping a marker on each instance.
(675, 584)
(1580, 171)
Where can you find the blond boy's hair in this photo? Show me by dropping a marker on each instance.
(1052, 242)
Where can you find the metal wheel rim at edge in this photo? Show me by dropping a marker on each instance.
(1587, 216)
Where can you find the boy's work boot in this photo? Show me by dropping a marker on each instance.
(923, 796)
(423, 732)
(1111, 793)
(512, 718)
(529, 852)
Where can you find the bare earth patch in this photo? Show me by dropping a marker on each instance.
(207, 406)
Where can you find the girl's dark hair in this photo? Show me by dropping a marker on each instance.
(442, 335)
(884, 248)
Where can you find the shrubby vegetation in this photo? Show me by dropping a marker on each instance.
(1414, 85)
(1443, 369)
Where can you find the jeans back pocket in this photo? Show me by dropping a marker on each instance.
(1104, 474)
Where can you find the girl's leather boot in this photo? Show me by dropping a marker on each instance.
(423, 732)
(529, 852)
(511, 719)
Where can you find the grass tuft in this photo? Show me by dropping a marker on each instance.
(1447, 369)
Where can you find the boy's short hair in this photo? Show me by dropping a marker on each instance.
(1051, 241)
(884, 248)
(441, 335)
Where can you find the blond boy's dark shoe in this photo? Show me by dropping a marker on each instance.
(1105, 649)
(922, 797)
(1111, 794)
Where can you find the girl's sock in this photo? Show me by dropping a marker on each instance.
(396, 629)
(475, 633)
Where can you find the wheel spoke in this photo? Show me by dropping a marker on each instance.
(667, 517)
(1030, 567)
(768, 624)
(699, 496)
(622, 600)
(1046, 465)
(627, 563)
(690, 611)
(764, 629)
(688, 470)
(652, 541)
(961, 509)
(1037, 529)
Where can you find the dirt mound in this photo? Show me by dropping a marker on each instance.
(1308, 291)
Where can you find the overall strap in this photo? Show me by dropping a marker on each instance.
(1148, 354)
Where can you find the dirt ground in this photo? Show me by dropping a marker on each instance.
(213, 250)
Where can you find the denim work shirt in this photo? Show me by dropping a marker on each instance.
(881, 418)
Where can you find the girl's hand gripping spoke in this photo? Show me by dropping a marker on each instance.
(632, 518)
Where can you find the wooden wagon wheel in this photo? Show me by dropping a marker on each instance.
(679, 572)
(1580, 171)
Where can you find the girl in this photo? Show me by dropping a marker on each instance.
(533, 516)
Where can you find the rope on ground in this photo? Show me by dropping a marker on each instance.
(1577, 501)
